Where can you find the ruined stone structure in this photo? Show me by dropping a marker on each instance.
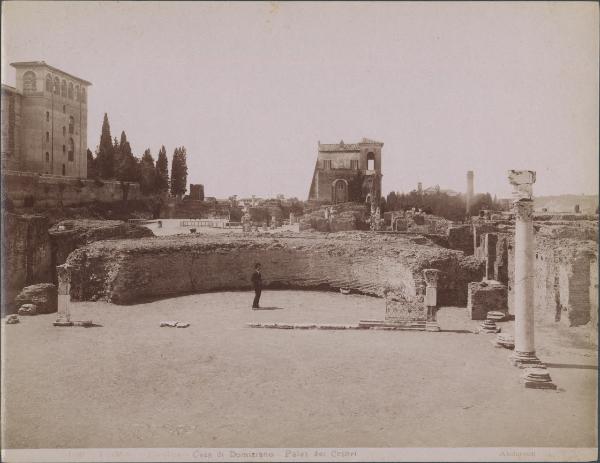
(127, 271)
(197, 192)
(347, 172)
(44, 121)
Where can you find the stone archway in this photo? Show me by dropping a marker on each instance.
(340, 191)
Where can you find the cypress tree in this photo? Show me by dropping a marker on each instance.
(105, 155)
(127, 165)
(147, 174)
(179, 172)
(162, 171)
(92, 170)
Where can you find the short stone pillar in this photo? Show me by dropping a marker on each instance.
(431, 279)
(490, 241)
(64, 296)
(292, 218)
(524, 353)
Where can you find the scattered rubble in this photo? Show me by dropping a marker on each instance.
(12, 319)
(43, 295)
(28, 309)
(174, 324)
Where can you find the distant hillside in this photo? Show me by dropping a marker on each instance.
(566, 203)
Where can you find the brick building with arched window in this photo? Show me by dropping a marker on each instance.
(35, 116)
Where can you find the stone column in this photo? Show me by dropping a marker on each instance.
(469, 194)
(431, 279)
(64, 296)
(524, 353)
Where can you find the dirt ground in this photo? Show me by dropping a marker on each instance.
(218, 383)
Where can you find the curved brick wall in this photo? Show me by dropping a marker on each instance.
(128, 271)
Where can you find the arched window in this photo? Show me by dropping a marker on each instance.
(64, 131)
(63, 88)
(70, 90)
(47, 156)
(29, 83)
(64, 170)
(71, 125)
(370, 161)
(47, 116)
(57, 86)
(71, 150)
(64, 149)
(48, 83)
(47, 136)
(83, 94)
(77, 97)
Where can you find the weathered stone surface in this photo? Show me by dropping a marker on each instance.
(28, 309)
(43, 295)
(26, 255)
(484, 297)
(68, 235)
(126, 271)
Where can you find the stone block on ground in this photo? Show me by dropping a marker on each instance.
(484, 297)
(43, 295)
(12, 319)
(28, 309)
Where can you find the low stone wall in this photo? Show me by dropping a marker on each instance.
(128, 271)
(28, 189)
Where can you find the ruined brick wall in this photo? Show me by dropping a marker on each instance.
(128, 271)
(461, 237)
(565, 281)
(26, 254)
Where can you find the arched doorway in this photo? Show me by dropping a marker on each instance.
(340, 191)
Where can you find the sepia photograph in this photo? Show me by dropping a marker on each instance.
(299, 231)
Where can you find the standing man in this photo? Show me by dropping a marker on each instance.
(257, 284)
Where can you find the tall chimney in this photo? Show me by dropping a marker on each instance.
(469, 189)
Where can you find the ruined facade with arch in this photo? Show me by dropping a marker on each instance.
(35, 115)
(346, 172)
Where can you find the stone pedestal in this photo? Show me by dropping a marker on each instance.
(431, 279)
(64, 296)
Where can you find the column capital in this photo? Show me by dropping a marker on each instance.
(522, 181)
(523, 209)
(431, 277)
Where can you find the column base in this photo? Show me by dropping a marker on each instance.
(537, 378)
(62, 323)
(525, 359)
(432, 326)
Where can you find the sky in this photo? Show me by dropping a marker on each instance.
(250, 88)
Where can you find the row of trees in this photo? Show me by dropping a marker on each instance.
(114, 160)
(440, 204)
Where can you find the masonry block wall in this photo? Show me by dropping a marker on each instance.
(128, 271)
(28, 189)
(26, 254)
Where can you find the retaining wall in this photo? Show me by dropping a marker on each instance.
(29, 189)
(128, 271)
